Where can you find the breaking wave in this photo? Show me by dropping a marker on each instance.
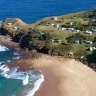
(14, 74)
(33, 78)
(37, 84)
(3, 48)
(26, 77)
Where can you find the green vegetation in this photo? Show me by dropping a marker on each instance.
(70, 36)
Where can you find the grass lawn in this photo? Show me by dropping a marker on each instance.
(56, 33)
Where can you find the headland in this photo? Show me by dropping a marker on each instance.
(64, 39)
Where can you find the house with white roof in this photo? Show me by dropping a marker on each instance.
(92, 48)
(63, 28)
(55, 18)
(57, 41)
(71, 29)
(77, 31)
(88, 32)
(52, 24)
(15, 28)
(93, 30)
(70, 23)
(88, 42)
(9, 23)
(57, 25)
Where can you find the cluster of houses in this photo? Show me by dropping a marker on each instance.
(10, 24)
(63, 28)
(71, 29)
(92, 49)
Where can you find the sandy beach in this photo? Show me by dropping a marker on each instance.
(64, 77)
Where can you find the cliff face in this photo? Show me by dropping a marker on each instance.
(4, 31)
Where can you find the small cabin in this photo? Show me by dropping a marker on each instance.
(93, 30)
(88, 42)
(94, 20)
(57, 25)
(77, 42)
(9, 23)
(52, 24)
(70, 23)
(55, 18)
(71, 29)
(92, 48)
(88, 32)
(77, 31)
(15, 28)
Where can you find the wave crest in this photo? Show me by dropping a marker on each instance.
(3, 48)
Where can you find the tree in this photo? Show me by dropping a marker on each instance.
(72, 39)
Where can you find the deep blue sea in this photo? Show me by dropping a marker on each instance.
(33, 10)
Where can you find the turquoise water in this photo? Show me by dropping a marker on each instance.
(8, 87)
(13, 82)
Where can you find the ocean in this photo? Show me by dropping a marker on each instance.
(31, 11)
(13, 83)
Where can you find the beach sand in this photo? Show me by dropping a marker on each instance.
(64, 77)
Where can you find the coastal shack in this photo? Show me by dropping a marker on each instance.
(88, 42)
(70, 23)
(57, 41)
(62, 28)
(9, 23)
(93, 30)
(55, 18)
(88, 32)
(92, 49)
(71, 29)
(15, 28)
(52, 24)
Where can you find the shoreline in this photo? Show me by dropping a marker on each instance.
(6, 41)
(23, 67)
(60, 74)
(64, 77)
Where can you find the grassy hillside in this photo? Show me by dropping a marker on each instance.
(71, 36)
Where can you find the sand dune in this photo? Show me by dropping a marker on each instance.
(64, 77)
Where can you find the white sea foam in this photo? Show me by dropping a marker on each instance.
(1, 63)
(8, 61)
(16, 54)
(14, 74)
(3, 48)
(37, 84)
(18, 57)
